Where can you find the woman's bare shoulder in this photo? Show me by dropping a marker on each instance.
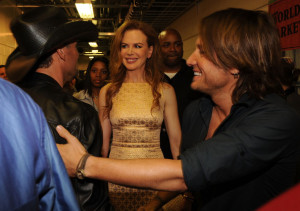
(166, 86)
(104, 88)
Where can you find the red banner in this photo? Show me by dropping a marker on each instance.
(286, 14)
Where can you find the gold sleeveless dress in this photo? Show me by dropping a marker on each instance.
(136, 134)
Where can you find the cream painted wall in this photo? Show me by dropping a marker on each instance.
(188, 24)
(7, 41)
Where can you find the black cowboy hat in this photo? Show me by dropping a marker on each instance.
(39, 32)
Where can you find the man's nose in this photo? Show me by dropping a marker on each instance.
(172, 47)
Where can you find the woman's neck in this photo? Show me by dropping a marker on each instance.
(95, 92)
(135, 76)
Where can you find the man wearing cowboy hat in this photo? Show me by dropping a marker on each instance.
(45, 59)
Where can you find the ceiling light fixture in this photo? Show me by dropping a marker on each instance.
(93, 51)
(85, 9)
(106, 33)
(93, 54)
(93, 44)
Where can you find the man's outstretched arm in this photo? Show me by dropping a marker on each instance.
(158, 174)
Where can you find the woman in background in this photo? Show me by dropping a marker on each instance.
(97, 75)
(134, 105)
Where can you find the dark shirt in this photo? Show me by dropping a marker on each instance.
(82, 121)
(293, 98)
(181, 83)
(251, 158)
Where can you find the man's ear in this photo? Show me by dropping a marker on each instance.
(61, 53)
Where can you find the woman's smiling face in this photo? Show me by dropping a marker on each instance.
(135, 50)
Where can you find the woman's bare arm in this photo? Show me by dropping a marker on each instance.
(105, 123)
(171, 120)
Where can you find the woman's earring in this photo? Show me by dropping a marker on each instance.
(235, 75)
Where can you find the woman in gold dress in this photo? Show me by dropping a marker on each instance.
(134, 105)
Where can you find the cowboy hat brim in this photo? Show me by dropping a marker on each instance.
(18, 64)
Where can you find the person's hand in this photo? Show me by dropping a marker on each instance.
(70, 152)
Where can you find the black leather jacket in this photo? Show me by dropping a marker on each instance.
(82, 121)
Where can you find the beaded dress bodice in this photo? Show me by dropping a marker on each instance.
(133, 124)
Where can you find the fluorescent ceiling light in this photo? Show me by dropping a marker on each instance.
(106, 33)
(93, 44)
(93, 54)
(93, 51)
(85, 9)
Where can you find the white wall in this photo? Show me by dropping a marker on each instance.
(188, 24)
